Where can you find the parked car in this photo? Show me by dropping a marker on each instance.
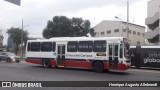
(9, 57)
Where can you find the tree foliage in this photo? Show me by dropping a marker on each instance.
(92, 33)
(15, 34)
(61, 26)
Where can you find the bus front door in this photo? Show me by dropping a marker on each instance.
(61, 55)
(113, 55)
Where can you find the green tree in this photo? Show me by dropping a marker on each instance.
(92, 32)
(61, 26)
(15, 34)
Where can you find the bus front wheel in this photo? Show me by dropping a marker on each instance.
(98, 66)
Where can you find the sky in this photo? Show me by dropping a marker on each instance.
(36, 13)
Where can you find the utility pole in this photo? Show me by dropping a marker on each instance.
(128, 21)
(22, 41)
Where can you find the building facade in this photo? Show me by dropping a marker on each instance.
(153, 22)
(108, 28)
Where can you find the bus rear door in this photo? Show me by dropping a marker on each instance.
(61, 55)
(113, 55)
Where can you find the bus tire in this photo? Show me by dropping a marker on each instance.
(98, 66)
(46, 63)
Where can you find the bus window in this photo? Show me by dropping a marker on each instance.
(110, 50)
(121, 50)
(116, 50)
(85, 46)
(35, 46)
(53, 46)
(99, 46)
(72, 46)
(29, 47)
(126, 50)
(46, 46)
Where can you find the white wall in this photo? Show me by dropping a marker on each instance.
(153, 7)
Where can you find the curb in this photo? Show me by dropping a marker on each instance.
(145, 68)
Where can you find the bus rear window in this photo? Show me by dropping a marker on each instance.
(29, 47)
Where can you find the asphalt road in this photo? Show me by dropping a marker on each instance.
(30, 72)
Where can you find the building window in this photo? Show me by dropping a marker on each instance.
(138, 33)
(116, 30)
(72, 46)
(124, 30)
(130, 31)
(134, 32)
(102, 33)
(108, 32)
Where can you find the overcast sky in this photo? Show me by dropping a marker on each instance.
(36, 13)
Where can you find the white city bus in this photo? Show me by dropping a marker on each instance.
(99, 54)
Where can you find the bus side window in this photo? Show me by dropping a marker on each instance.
(72, 46)
(46, 46)
(35, 46)
(53, 46)
(99, 46)
(85, 46)
(29, 47)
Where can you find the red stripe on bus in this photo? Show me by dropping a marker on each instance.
(53, 62)
(106, 65)
(82, 64)
(120, 67)
(35, 61)
(123, 67)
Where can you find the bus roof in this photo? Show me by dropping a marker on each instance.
(76, 39)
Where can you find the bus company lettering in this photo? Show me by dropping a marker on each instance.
(77, 55)
(152, 58)
(156, 55)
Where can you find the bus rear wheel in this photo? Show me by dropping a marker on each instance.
(46, 63)
(98, 66)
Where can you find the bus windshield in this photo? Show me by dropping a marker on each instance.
(126, 50)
